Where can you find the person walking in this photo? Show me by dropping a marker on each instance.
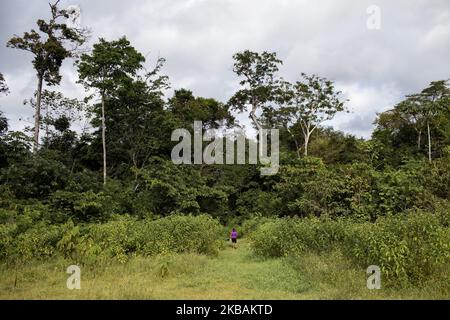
(233, 237)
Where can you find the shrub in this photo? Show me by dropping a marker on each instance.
(118, 239)
(268, 240)
(407, 247)
(81, 206)
(252, 224)
(35, 177)
(294, 235)
(114, 238)
(256, 201)
(7, 232)
(37, 242)
(199, 234)
(127, 236)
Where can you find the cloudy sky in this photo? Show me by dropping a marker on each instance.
(373, 68)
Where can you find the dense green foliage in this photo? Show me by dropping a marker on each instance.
(24, 236)
(113, 191)
(407, 247)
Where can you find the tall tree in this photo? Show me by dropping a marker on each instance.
(55, 106)
(259, 84)
(312, 101)
(436, 99)
(410, 110)
(139, 102)
(187, 108)
(53, 43)
(423, 113)
(109, 64)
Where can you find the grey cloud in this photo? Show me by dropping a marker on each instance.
(374, 68)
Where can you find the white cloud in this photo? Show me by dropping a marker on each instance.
(198, 37)
(364, 103)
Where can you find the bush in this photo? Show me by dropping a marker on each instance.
(293, 236)
(81, 206)
(118, 239)
(7, 232)
(35, 177)
(255, 201)
(175, 234)
(355, 190)
(37, 242)
(199, 234)
(407, 247)
(251, 225)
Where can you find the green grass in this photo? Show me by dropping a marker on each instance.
(233, 274)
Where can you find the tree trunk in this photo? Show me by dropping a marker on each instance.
(37, 114)
(306, 143)
(297, 148)
(104, 138)
(46, 126)
(258, 125)
(418, 139)
(429, 141)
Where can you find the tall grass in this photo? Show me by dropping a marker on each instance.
(118, 239)
(232, 274)
(408, 248)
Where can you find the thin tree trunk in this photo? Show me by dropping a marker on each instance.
(297, 148)
(258, 125)
(46, 126)
(418, 139)
(429, 141)
(37, 114)
(104, 138)
(306, 143)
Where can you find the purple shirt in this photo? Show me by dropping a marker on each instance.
(234, 234)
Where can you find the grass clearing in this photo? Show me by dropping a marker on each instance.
(233, 274)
